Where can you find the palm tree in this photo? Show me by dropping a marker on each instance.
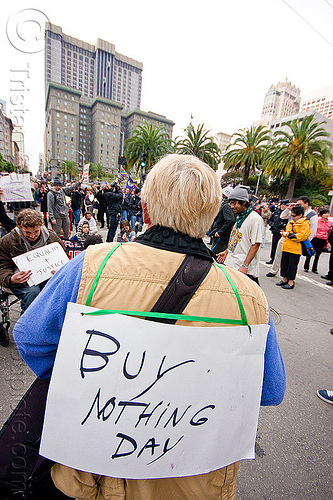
(70, 169)
(198, 143)
(96, 171)
(247, 150)
(301, 149)
(148, 140)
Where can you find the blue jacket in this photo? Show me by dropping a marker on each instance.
(38, 331)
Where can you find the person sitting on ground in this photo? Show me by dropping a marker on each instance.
(29, 234)
(297, 230)
(91, 221)
(126, 232)
(82, 233)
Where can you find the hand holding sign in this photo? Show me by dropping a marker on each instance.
(41, 263)
(20, 277)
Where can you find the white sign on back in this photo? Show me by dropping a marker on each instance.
(138, 399)
(42, 262)
(16, 187)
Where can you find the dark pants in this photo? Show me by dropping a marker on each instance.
(100, 216)
(113, 224)
(330, 265)
(275, 240)
(289, 264)
(318, 245)
(253, 278)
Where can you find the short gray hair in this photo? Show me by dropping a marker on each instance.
(183, 193)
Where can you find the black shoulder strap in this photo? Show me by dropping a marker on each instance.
(182, 287)
(310, 215)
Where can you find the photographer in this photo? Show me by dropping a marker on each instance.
(135, 209)
(297, 230)
(126, 232)
(113, 199)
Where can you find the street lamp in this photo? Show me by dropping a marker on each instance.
(63, 162)
(122, 133)
(80, 153)
(261, 171)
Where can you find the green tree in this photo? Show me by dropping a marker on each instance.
(197, 142)
(7, 166)
(96, 171)
(247, 151)
(301, 149)
(148, 140)
(70, 168)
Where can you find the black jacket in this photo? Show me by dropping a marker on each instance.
(275, 222)
(135, 205)
(223, 222)
(113, 201)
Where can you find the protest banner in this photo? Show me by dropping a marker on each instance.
(41, 262)
(138, 399)
(85, 177)
(16, 187)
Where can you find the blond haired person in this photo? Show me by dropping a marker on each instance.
(181, 197)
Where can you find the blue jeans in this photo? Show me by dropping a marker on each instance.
(124, 215)
(26, 294)
(133, 221)
(113, 224)
(76, 217)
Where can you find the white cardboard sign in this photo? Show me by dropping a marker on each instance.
(138, 399)
(86, 172)
(41, 262)
(16, 187)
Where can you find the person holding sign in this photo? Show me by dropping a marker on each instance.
(29, 234)
(181, 197)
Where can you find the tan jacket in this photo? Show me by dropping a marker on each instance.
(134, 278)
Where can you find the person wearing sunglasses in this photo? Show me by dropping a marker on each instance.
(297, 230)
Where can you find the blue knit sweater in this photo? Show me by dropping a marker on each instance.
(38, 331)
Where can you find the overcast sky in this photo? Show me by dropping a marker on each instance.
(213, 59)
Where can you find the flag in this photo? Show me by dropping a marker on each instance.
(130, 184)
(123, 173)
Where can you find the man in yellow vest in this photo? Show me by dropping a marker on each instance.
(181, 196)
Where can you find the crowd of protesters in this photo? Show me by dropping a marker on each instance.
(72, 215)
(76, 213)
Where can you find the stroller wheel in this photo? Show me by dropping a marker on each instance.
(4, 336)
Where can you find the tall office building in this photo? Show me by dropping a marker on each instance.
(96, 71)
(281, 100)
(93, 97)
(90, 130)
(321, 101)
